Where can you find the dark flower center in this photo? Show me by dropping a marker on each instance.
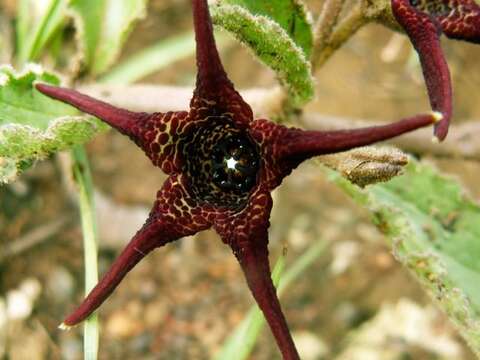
(235, 164)
(432, 7)
(222, 162)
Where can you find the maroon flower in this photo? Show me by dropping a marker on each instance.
(424, 21)
(222, 165)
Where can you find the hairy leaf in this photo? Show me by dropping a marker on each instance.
(434, 230)
(32, 126)
(272, 44)
(291, 15)
(103, 26)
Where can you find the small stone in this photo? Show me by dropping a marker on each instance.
(19, 305)
(309, 345)
(20, 301)
(61, 284)
(122, 325)
(346, 312)
(344, 254)
(154, 314)
(72, 348)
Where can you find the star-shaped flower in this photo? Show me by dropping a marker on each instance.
(222, 165)
(424, 21)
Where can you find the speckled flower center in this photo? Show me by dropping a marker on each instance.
(222, 162)
(432, 7)
(235, 164)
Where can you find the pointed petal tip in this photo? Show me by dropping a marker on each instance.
(440, 132)
(49, 90)
(65, 327)
(41, 86)
(441, 121)
(437, 116)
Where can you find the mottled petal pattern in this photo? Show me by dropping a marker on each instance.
(424, 34)
(459, 19)
(285, 148)
(223, 165)
(157, 134)
(424, 21)
(247, 234)
(214, 93)
(174, 215)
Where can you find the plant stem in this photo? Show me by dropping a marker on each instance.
(326, 23)
(349, 25)
(83, 179)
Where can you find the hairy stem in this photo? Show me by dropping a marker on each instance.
(347, 27)
(326, 23)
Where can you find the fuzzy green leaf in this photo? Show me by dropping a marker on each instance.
(32, 126)
(271, 43)
(291, 15)
(434, 230)
(103, 26)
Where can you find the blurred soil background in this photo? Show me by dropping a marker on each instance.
(355, 302)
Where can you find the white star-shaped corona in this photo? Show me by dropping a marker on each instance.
(231, 162)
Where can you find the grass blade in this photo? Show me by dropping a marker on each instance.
(151, 59)
(84, 182)
(32, 33)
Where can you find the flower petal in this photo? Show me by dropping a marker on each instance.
(247, 235)
(459, 19)
(154, 133)
(283, 148)
(424, 34)
(174, 215)
(462, 21)
(214, 93)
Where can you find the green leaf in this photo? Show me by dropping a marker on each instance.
(37, 22)
(272, 44)
(103, 26)
(151, 59)
(32, 126)
(291, 15)
(434, 230)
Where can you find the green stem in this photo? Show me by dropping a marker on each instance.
(83, 179)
